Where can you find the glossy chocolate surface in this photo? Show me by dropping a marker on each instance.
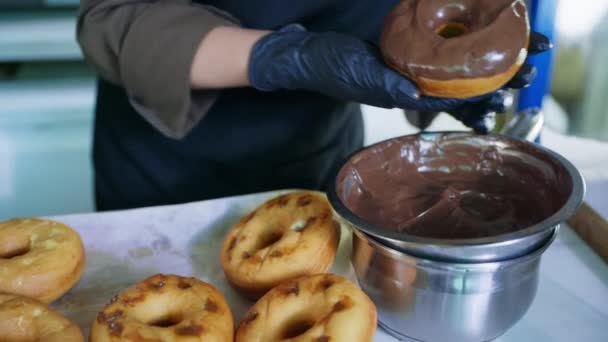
(486, 37)
(453, 186)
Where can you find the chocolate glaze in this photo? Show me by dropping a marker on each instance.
(453, 186)
(497, 38)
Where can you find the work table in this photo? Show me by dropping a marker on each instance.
(126, 246)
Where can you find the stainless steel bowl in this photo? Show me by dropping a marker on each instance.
(486, 249)
(433, 301)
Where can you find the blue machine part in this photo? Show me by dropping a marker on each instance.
(542, 19)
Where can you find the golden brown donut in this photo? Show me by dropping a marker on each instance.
(457, 48)
(317, 308)
(166, 308)
(24, 320)
(40, 259)
(287, 237)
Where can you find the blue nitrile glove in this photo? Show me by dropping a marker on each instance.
(334, 64)
(344, 67)
(538, 43)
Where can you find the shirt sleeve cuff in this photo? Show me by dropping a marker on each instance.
(155, 62)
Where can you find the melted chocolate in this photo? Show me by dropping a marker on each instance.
(496, 38)
(453, 185)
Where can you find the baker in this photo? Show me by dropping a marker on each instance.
(203, 99)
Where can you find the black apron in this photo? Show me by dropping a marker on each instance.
(249, 141)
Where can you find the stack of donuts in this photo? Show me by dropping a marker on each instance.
(40, 260)
(279, 255)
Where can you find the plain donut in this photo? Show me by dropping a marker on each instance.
(290, 236)
(318, 308)
(24, 320)
(166, 308)
(40, 259)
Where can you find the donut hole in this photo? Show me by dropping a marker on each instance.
(297, 328)
(452, 29)
(161, 310)
(268, 239)
(16, 250)
(166, 321)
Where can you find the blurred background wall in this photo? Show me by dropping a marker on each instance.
(47, 99)
(46, 102)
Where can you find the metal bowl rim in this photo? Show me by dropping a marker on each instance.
(450, 255)
(453, 266)
(452, 252)
(572, 204)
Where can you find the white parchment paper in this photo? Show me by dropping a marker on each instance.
(124, 247)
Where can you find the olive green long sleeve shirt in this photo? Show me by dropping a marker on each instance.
(147, 47)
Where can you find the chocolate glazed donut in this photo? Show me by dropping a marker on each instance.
(457, 48)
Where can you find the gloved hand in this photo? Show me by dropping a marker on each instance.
(478, 114)
(334, 64)
(343, 67)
